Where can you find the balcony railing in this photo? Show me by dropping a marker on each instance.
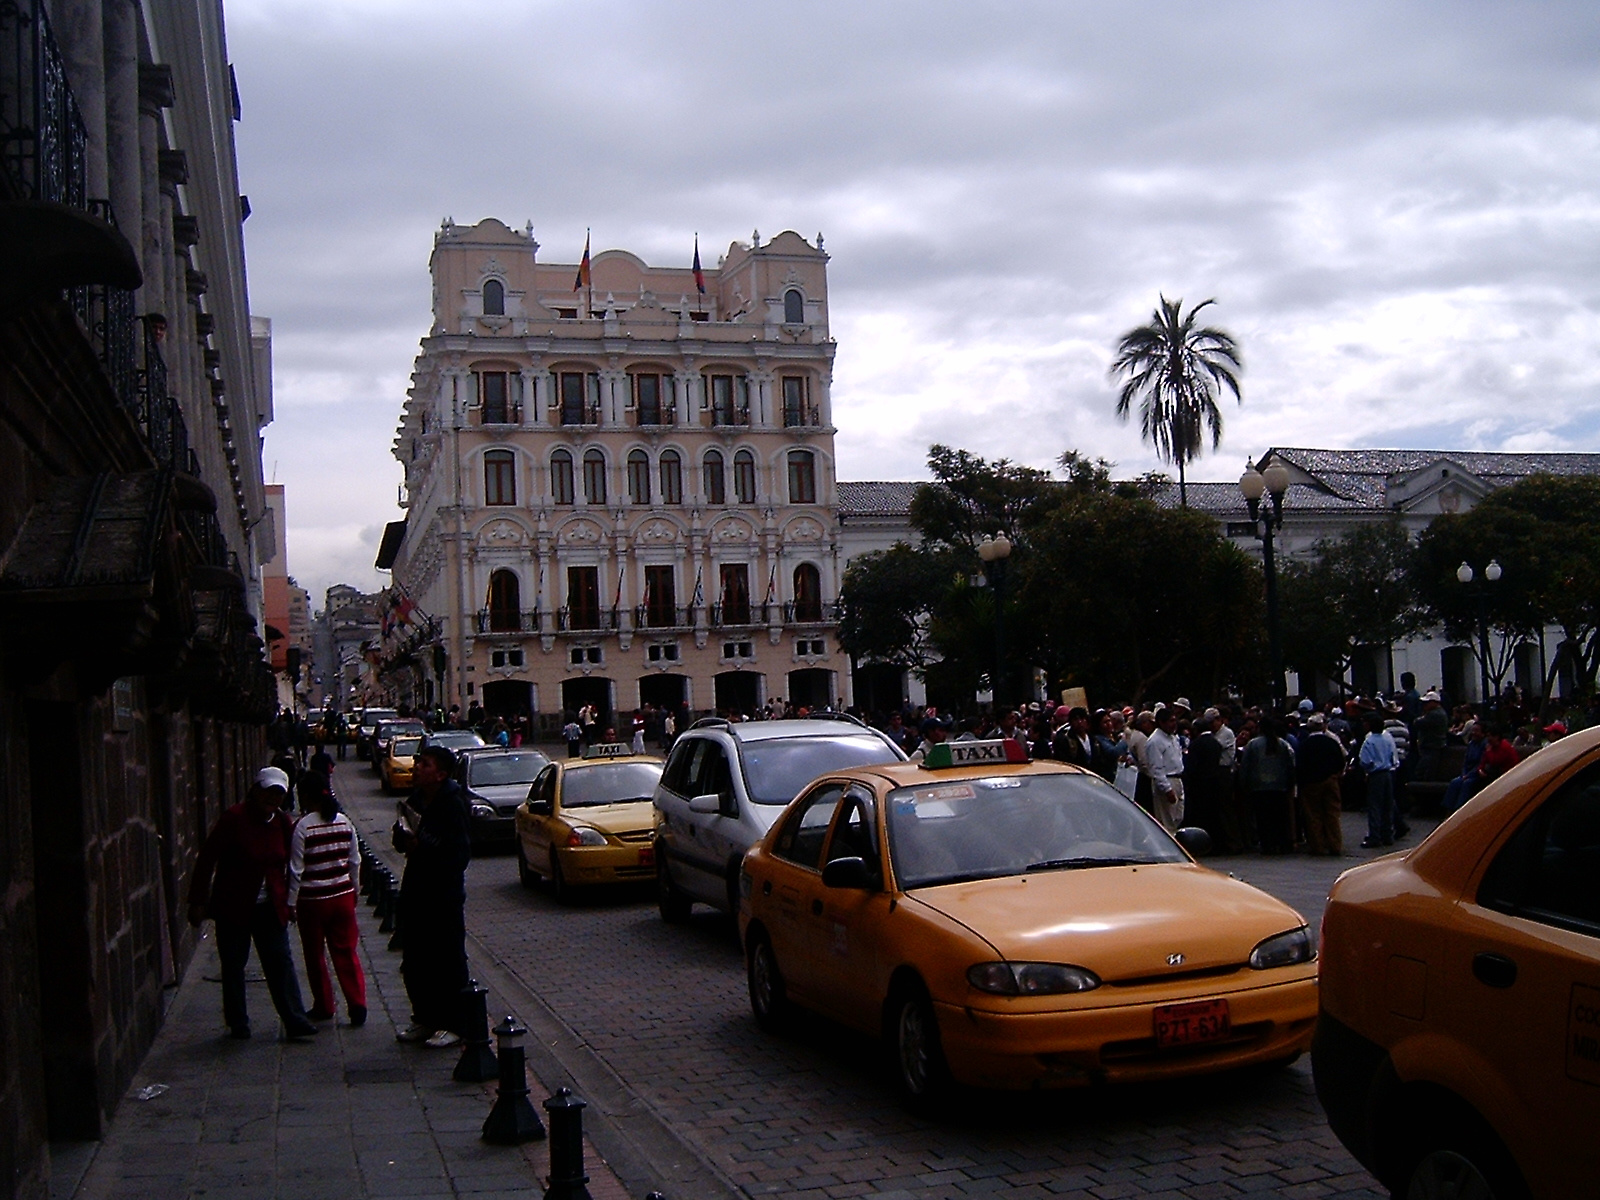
(648, 417)
(570, 619)
(799, 612)
(738, 616)
(801, 416)
(501, 414)
(579, 414)
(508, 620)
(663, 616)
(725, 415)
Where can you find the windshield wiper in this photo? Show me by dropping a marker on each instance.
(1070, 864)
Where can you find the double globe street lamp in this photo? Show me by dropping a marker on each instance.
(1274, 483)
(994, 551)
(1465, 576)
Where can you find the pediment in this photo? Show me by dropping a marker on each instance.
(1443, 486)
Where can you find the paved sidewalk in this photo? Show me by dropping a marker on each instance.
(350, 1114)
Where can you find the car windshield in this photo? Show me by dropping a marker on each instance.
(945, 832)
(497, 770)
(609, 783)
(405, 747)
(455, 739)
(776, 769)
(373, 715)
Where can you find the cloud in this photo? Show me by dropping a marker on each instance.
(1396, 206)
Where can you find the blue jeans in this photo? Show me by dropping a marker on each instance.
(272, 948)
(1380, 806)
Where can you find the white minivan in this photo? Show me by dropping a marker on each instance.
(724, 785)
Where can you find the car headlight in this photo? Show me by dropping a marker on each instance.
(1283, 950)
(582, 835)
(482, 810)
(1031, 979)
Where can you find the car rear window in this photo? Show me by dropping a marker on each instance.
(496, 770)
(406, 747)
(776, 769)
(609, 783)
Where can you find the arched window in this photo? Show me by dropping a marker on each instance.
(671, 477)
(494, 298)
(638, 477)
(744, 477)
(499, 477)
(807, 593)
(594, 477)
(561, 477)
(505, 602)
(794, 307)
(802, 477)
(715, 478)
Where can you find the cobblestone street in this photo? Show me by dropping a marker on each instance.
(658, 1019)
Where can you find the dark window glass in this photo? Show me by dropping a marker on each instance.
(492, 397)
(794, 308)
(775, 769)
(671, 477)
(638, 477)
(561, 477)
(806, 828)
(802, 477)
(647, 399)
(795, 409)
(1550, 869)
(744, 477)
(494, 298)
(575, 409)
(609, 783)
(716, 483)
(660, 597)
(583, 597)
(499, 477)
(594, 477)
(807, 593)
(730, 400)
(853, 833)
(735, 593)
(711, 774)
(505, 601)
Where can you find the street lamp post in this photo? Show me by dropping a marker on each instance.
(1274, 483)
(1491, 574)
(994, 551)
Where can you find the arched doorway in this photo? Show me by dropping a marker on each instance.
(664, 691)
(508, 698)
(811, 687)
(589, 689)
(737, 692)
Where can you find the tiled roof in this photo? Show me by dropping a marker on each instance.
(876, 499)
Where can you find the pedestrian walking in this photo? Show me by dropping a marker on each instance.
(324, 874)
(241, 881)
(573, 732)
(435, 838)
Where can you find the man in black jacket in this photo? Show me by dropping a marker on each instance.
(1320, 766)
(437, 843)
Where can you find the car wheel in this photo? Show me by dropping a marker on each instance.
(920, 1072)
(769, 999)
(558, 882)
(525, 874)
(1449, 1175)
(674, 905)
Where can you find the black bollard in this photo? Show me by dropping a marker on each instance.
(566, 1147)
(512, 1120)
(379, 874)
(390, 891)
(396, 923)
(478, 1062)
(365, 876)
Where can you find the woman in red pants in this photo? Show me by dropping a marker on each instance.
(324, 869)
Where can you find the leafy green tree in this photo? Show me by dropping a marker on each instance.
(1176, 370)
(971, 497)
(887, 602)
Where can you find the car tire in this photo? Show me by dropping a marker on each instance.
(1449, 1175)
(769, 998)
(675, 906)
(560, 890)
(525, 874)
(921, 1075)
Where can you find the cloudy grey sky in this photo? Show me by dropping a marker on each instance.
(1396, 205)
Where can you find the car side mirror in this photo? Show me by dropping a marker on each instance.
(710, 803)
(849, 873)
(1195, 840)
(539, 808)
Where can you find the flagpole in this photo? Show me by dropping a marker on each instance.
(589, 272)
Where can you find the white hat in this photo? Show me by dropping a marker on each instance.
(272, 777)
(1430, 696)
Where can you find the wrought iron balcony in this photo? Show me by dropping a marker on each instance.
(739, 616)
(501, 414)
(663, 616)
(42, 133)
(579, 414)
(801, 416)
(800, 612)
(580, 618)
(508, 620)
(723, 415)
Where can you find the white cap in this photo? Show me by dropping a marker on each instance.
(272, 777)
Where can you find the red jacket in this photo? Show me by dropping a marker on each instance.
(240, 853)
(1497, 760)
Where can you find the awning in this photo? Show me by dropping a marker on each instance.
(393, 534)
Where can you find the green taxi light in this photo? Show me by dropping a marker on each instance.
(973, 754)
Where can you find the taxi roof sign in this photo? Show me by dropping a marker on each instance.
(608, 750)
(975, 753)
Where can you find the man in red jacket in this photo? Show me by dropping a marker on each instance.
(241, 881)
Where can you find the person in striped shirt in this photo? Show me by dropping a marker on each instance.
(324, 869)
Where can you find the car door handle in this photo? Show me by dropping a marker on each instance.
(816, 908)
(1496, 970)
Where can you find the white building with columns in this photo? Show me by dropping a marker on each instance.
(620, 492)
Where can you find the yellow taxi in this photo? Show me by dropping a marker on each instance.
(1458, 1048)
(589, 821)
(1008, 924)
(394, 767)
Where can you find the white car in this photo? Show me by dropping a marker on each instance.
(726, 783)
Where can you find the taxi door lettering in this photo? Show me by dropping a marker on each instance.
(1583, 1035)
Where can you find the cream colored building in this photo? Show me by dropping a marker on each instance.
(619, 494)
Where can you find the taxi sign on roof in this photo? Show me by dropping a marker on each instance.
(608, 750)
(972, 754)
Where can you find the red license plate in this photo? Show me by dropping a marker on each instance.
(1190, 1024)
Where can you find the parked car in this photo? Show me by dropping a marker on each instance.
(725, 784)
(395, 764)
(368, 725)
(587, 822)
(1457, 1051)
(496, 782)
(454, 739)
(1009, 924)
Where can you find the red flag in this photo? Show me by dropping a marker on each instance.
(583, 280)
(699, 275)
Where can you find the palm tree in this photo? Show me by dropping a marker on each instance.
(1176, 372)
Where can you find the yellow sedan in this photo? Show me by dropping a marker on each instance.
(589, 822)
(394, 767)
(1008, 924)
